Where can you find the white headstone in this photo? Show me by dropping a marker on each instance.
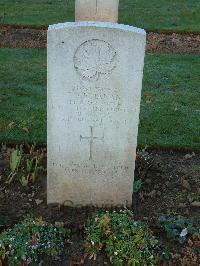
(96, 10)
(95, 75)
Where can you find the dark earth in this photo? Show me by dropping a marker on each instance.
(170, 185)
(19, 37)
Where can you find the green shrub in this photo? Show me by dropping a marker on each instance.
(30, 239)
(125, 241)
(178, 228)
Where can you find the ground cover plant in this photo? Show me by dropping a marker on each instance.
(94, 233)
(27, 241)
(156, 15)
(179, 228)
(183, 232)
(169, 107)
(125, 241)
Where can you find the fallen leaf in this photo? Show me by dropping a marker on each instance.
(190, 243)
(25, 129)
(185, 184)
(197, 243)
(152, 193)
(38, 201)
(195, 204)
(188, 156)
(11, 125)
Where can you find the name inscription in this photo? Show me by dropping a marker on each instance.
(93, 104)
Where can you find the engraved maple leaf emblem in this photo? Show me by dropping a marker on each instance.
(94, 57)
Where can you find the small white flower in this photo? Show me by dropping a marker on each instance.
(115, 253)
(184, 232)
(92, 243)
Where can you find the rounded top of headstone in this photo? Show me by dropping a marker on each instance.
(92, 24)
(96, 10)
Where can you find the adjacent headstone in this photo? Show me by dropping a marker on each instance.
(95, 75)
(96, 10)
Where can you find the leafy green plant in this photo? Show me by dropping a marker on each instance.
(195, 196)
(32, 149)
(25, 167)
(125, 241)
(34, 169)
(29, 165)
(15, 160)
(177, 227)
(137, 185)
(24, 180)
(30, 239)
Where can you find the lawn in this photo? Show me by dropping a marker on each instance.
(169, 109)
(154, 15)
(23, 94)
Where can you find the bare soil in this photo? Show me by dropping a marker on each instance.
(170, 179)
(16, 37)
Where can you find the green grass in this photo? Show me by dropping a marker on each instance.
(23, 94)
(169, 109)
(154, 15)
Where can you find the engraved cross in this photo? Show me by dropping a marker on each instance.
(91, 139)
(96, 7)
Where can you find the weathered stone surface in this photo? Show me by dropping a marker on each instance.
(94, 88)
(96, 10)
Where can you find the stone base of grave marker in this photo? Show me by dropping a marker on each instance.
(95, 72)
